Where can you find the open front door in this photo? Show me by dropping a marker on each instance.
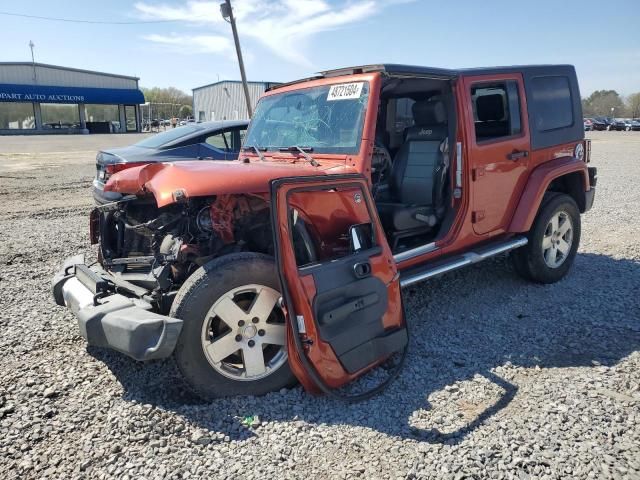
(340, 284)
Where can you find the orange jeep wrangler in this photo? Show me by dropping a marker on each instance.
(288, 263)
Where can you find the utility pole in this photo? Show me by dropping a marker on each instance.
(227, 13)
(33, 61)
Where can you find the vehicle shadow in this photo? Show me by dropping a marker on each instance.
(471, 333)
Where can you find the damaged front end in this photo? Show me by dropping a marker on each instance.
(113, 313)
(145, 253)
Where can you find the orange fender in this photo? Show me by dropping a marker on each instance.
(537, 185)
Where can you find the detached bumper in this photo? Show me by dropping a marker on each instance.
(111, 320)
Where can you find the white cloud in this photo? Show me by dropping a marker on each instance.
(284, 26)
(194, 11)
(191, 43)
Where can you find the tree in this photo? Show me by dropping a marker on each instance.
(186, 111)
(166, 102)
(600, 103)
(633, 105)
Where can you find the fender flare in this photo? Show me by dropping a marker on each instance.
(538, 183)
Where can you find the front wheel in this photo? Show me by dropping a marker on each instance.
(233, 340)
(553, 241)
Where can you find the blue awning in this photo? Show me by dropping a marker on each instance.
(50, 94)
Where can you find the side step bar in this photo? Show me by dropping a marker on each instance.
(419, 274)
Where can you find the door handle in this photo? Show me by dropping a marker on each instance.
(362, 269)
(517, 155)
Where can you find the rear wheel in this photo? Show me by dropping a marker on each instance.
(233, 341)
(553, 241)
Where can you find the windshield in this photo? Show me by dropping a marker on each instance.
(327, 119)
(161, 139)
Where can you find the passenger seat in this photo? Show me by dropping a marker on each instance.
(418, 172)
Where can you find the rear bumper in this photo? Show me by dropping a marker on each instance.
(112, 320)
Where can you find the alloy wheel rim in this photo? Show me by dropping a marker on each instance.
(244, 334)
(557, 239)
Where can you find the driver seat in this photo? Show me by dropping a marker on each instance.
(418, 172)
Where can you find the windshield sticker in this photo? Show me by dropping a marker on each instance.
(345, 91)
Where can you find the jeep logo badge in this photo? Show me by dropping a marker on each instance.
(424, 131)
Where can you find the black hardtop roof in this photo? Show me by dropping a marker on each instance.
(395, 69)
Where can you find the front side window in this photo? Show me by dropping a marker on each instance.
(327, 119)
(17, 116)
(321, 220)
(403, 114)
(496, 110)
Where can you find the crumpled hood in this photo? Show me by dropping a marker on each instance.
(204, 178)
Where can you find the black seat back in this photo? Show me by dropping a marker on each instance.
(414, 174)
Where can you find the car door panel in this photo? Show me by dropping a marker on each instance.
(188, 152)
(500, 165)
(207, 152)
(347, 304)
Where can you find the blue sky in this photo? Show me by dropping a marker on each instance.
(287, 39)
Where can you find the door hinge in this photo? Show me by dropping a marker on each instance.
(478, 172)
(477, 216)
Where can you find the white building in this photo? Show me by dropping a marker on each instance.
(224, 100)
(39, 98)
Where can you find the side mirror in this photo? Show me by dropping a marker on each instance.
(361, 236)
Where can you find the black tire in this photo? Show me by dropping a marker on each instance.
(529, 260)
(192, 303)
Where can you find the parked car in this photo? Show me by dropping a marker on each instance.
(608, 122)
(588, 124)
(289, 262)
(635, 124)
(207, 140)
(622, 125)
(598, 124)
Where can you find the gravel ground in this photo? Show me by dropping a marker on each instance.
(504, 379)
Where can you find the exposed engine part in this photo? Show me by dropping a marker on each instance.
(170, 247)
(159, 248)
(203, 219)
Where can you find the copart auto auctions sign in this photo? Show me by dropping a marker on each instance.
(35, 97)
(66, 94)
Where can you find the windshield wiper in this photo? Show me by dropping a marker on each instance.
(256, 149)
(303, 151)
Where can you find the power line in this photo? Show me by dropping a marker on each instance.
(100, 22)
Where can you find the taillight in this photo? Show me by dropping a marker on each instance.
(587, 150)
(112, 168)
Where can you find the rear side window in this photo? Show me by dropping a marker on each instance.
(221, 141)
(496, 110)
(552, 103)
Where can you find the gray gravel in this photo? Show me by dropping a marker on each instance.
(504, 379)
